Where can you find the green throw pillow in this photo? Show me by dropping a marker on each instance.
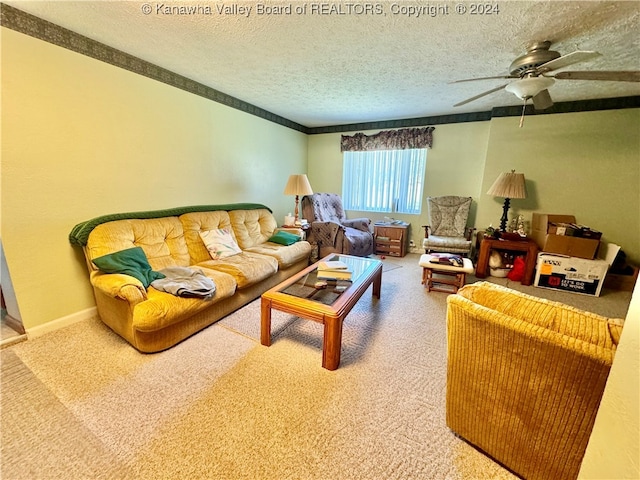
(131, 261)
(285, 238)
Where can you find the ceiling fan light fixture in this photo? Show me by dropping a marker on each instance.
(529, 87)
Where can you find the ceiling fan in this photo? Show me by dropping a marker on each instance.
(532, 72)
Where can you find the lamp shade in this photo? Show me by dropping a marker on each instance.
(298, 185)
(509, 185)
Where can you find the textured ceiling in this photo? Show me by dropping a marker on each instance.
(342, 65)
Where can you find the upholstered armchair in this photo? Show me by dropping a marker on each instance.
(447, 230)
(330, 229)
(525, 376)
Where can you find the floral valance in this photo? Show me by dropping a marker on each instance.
(388, 140)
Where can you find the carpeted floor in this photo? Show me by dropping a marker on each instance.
(81, 403)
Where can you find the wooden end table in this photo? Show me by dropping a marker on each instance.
(300, 296)
(527, 245)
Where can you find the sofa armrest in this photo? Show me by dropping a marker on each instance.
(324, 233)
(358, 223)
(118, 285)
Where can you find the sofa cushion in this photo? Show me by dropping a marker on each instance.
(162, 240)
(196, 222)
(162, 309)
(252, 227)
(220, 243)
(247, 268)
(286, 255)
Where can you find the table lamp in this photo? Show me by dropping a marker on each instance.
(508, 185)
(297, 185)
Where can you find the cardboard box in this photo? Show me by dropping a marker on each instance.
(545, 229)
(570, 274)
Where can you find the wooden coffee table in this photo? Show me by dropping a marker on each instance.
(300, 295)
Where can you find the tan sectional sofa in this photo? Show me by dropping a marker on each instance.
(153, 320)
(525, 377)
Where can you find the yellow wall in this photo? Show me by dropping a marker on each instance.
(81, 138)
(584, 164)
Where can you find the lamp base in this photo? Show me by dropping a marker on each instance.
(505, 218)
(296, 220)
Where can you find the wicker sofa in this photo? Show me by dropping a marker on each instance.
(525, 377)
(153, 320)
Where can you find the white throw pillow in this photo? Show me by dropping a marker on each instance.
(220, 243)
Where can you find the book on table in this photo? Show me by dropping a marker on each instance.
(334, 270)
(332, 265)
(344, 274)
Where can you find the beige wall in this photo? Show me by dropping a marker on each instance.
(81, 138)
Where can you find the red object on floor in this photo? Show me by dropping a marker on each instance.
(517, 272)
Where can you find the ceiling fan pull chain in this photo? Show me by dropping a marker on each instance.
(524, 106)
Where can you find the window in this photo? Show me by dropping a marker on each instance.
(384, 180)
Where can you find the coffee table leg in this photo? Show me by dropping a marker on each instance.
(377, 284)
(265, 322)
(332, 343)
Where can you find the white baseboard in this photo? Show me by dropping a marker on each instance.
(62, 322)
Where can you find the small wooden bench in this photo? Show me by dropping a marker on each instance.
(443, 282)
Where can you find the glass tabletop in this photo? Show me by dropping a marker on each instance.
(328, 290)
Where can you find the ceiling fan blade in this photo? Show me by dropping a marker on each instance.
(542, 100)
(568, 59)
(480, 95)
(620, 76)
(484, 78)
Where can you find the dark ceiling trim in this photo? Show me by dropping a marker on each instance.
(497, 112)
(36, 27)
(616, 103)
(404, 123)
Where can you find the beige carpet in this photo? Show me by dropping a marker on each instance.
(80, 403)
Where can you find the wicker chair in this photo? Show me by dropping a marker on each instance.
(447, 230)
(330, 229)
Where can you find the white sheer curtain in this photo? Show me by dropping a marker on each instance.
(384, 180)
